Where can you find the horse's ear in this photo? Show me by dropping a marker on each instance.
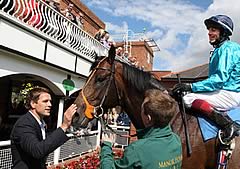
(111, 54)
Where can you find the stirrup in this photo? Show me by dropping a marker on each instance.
(224, 154)
(226, 140)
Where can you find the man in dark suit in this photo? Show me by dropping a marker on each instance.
(29, 144)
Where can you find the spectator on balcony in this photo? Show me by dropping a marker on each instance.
(157, 145)
(79, 19)
(107, 41)
(126, 55)
(133, 61)
(100, 35)
(68, 13)
(119, 52)
(30, 144)
(54, 4)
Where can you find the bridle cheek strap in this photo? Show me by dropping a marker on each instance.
(89, 108)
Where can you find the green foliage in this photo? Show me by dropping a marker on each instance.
(19, 94)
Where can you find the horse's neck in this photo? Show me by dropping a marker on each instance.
(132, 106)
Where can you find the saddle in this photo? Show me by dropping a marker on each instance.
(209, 130)
(226, 138)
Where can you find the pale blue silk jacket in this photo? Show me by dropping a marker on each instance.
(224, 70)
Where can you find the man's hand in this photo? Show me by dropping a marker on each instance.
(109, 137)
(68, 117)
(180, 88)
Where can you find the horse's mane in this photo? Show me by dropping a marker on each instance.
(139, 79)
(136, 78)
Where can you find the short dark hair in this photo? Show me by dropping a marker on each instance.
(33, 95)
(160, 106)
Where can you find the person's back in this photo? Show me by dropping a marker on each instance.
(157, 145)
(159, 148)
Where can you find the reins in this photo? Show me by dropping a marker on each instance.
(90, 108)
(106, 128)
(95, 109)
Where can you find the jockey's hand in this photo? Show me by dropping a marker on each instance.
(109, 137)
(179, 88)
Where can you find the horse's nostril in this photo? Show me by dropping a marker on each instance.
(76, 115)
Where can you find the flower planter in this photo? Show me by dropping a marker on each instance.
(86, 161)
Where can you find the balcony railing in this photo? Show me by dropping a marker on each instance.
(41, 17)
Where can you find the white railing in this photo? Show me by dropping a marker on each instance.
(75, 146)
(40, 16)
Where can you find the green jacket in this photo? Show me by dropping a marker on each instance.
(156, 149)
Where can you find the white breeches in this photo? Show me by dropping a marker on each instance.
(221, 100)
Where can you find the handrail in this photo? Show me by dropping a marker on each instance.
(5, 143)
(41, 16)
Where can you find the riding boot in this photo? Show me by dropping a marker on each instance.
(221, 119)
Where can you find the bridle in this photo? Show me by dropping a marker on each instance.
(95, 109)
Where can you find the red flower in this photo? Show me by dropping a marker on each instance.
(89, 161)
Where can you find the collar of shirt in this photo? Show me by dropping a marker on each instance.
(42, 125)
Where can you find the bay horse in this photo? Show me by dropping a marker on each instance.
(112, 82)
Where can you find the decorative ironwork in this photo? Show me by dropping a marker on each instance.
(39, 15)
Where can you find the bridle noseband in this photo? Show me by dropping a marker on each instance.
(93, 111)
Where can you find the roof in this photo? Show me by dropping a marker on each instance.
(197, 72)
(159, 74)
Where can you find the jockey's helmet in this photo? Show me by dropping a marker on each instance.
(220, 21)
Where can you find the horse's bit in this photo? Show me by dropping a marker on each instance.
(91, 111)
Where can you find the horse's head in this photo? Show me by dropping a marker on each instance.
(111, 83)
(98, 90)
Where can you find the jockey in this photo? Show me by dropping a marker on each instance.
(220, 92)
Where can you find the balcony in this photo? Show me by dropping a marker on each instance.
(34, 29)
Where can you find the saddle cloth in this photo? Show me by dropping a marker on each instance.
(209, 129)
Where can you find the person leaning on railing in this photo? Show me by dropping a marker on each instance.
(100, 34)
(54, 4)
(68, 13)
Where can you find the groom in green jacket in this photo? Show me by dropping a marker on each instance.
(157, 146)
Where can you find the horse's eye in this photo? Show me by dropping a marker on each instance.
(100, 79)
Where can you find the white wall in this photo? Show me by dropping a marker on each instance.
(15, 64)
(23, 41)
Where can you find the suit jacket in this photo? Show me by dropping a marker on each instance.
(29, 150)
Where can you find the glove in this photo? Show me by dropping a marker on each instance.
(181, 87)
